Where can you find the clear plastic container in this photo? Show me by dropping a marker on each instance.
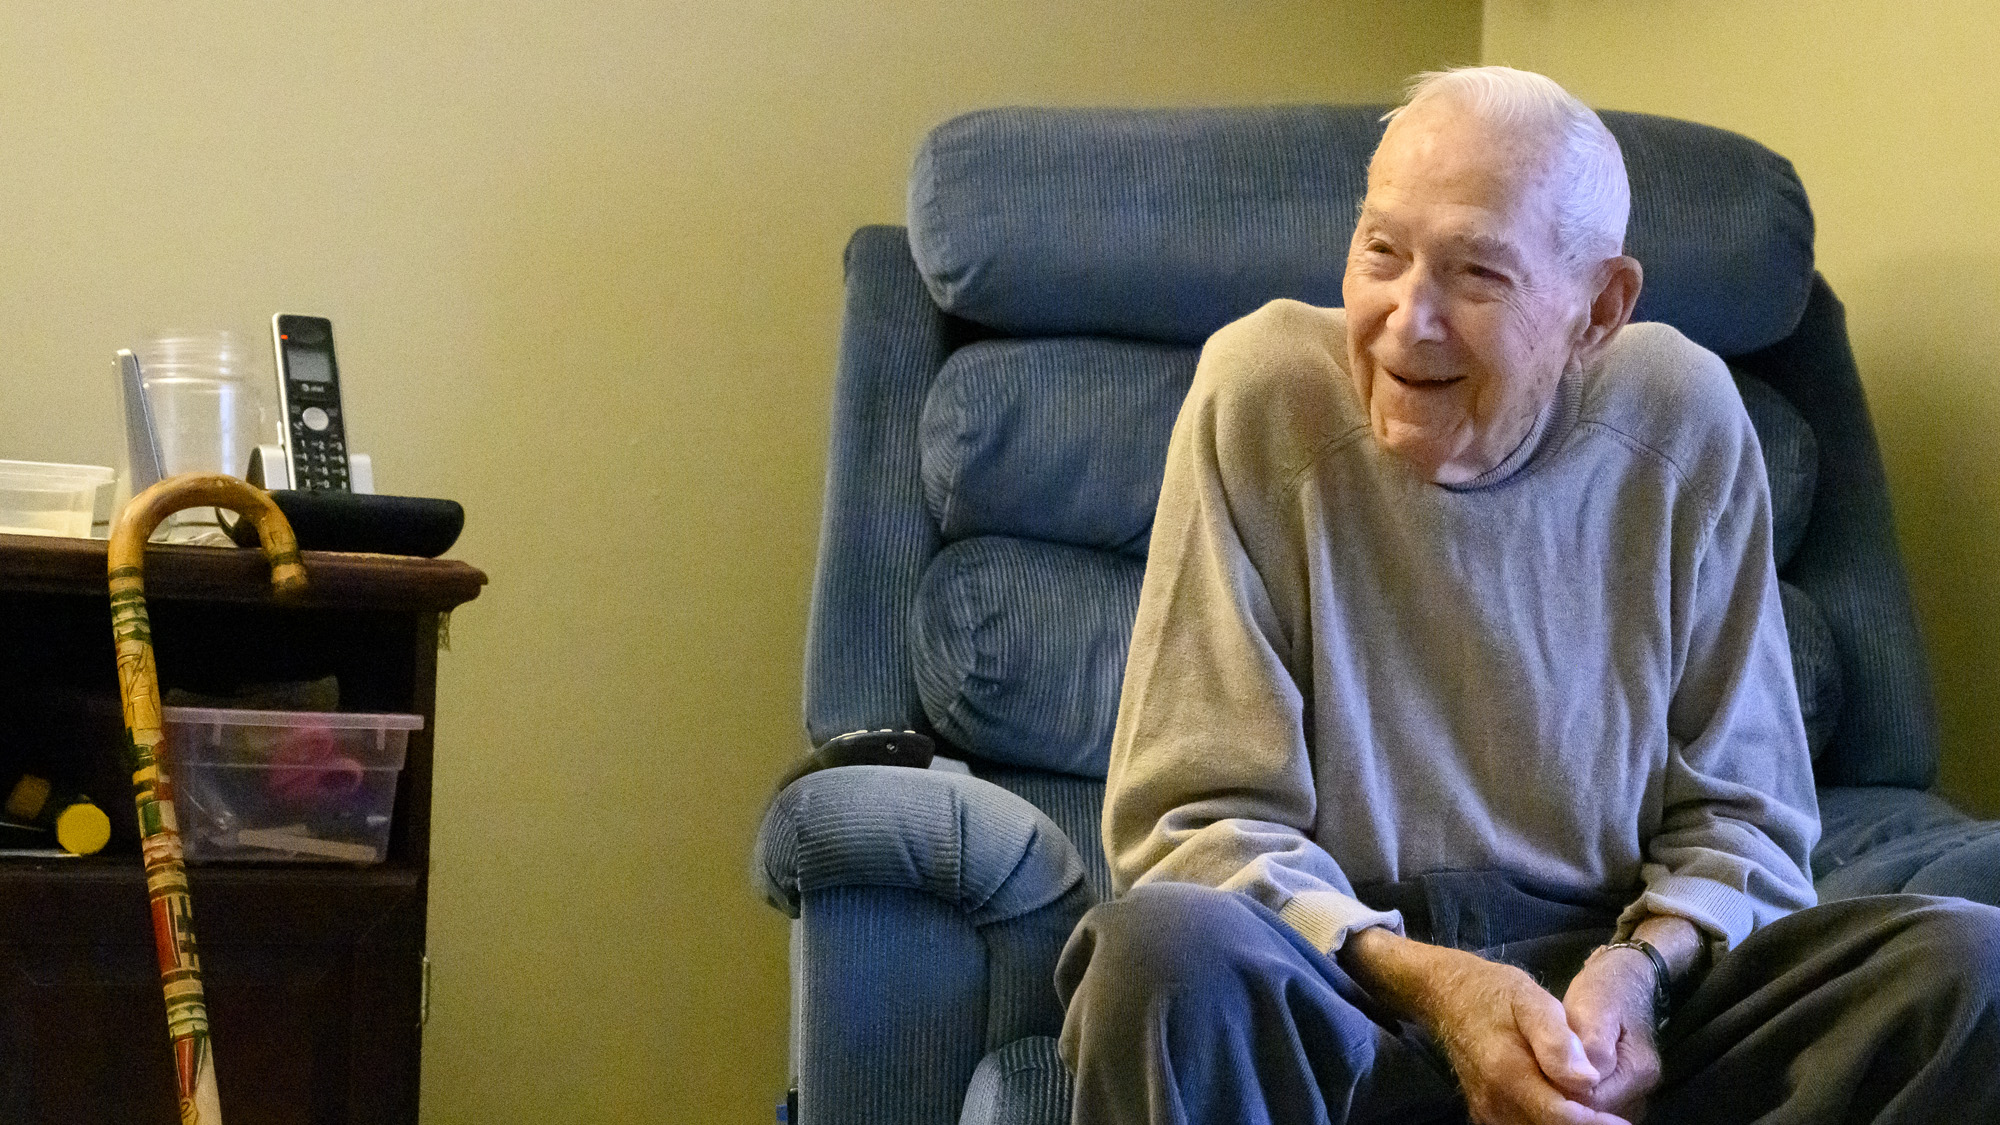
(45, 498)
(301, 786)
(210, 408)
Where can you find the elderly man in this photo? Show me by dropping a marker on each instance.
(1459, 741)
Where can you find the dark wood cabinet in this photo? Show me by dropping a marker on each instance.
(315, 973)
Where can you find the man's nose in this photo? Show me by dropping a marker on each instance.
(1418, 315)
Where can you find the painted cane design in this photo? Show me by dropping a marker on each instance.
(152, 792)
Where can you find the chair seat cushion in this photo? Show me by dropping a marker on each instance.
(1062, 439)
(1022, 1083)
(1882, 840)
(1020, 649)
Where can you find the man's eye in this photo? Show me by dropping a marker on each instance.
(1485, 274)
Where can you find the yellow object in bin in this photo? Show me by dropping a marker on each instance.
(25, 800)
(83, 829)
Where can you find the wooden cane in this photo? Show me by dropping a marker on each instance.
(138, 684)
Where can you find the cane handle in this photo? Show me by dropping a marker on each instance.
(198, 490)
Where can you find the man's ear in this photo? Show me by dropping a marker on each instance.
(1616, 292)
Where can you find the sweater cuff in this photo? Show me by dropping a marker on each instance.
(1724, 914)
(1326, 918)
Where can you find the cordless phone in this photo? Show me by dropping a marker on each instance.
(309, 400)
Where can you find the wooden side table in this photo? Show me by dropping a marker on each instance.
(315, 973)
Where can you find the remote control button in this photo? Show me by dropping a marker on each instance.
(314, 418)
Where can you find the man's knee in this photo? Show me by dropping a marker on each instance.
(1166, 938)
(1954, 946)
(1197, 984)
(1940, 956)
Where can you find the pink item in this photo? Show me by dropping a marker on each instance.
(308, 769)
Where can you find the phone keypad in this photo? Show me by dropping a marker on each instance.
(319, 451)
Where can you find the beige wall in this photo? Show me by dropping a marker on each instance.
(584, 262)
(1889, 111)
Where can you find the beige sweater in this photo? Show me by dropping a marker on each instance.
(1573, 668)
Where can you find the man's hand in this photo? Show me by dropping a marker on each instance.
(1610, 1007)
(1514, 1053)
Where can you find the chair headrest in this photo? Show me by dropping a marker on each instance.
(1167, 224)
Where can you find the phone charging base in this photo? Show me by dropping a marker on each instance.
(350, 521)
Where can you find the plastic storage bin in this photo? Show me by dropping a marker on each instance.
(311, 786)
(45, 498)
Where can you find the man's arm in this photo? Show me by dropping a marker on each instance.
(1739, 815)
(1211, 780)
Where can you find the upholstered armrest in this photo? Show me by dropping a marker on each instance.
(971, 844)
(931, 909)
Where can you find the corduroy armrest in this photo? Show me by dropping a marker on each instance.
(970, 843)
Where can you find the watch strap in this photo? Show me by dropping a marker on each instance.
(1662, 976)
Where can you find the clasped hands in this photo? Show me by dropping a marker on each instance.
(1522, 1056)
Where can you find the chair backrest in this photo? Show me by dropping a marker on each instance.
(1011, 366)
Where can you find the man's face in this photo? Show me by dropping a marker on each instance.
(1461, 310)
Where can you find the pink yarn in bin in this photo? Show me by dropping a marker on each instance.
(307, 768)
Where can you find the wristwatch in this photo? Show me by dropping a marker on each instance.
(1663, 980)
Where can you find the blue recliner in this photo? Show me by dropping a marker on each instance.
(1010, 368)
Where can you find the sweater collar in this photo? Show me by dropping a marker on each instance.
(1551, 426)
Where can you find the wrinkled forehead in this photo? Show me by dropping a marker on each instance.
(1448, 135)
(1444, 153)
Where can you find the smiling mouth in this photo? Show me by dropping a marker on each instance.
(1425, 384)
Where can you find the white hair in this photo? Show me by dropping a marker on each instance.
(1594, 199)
